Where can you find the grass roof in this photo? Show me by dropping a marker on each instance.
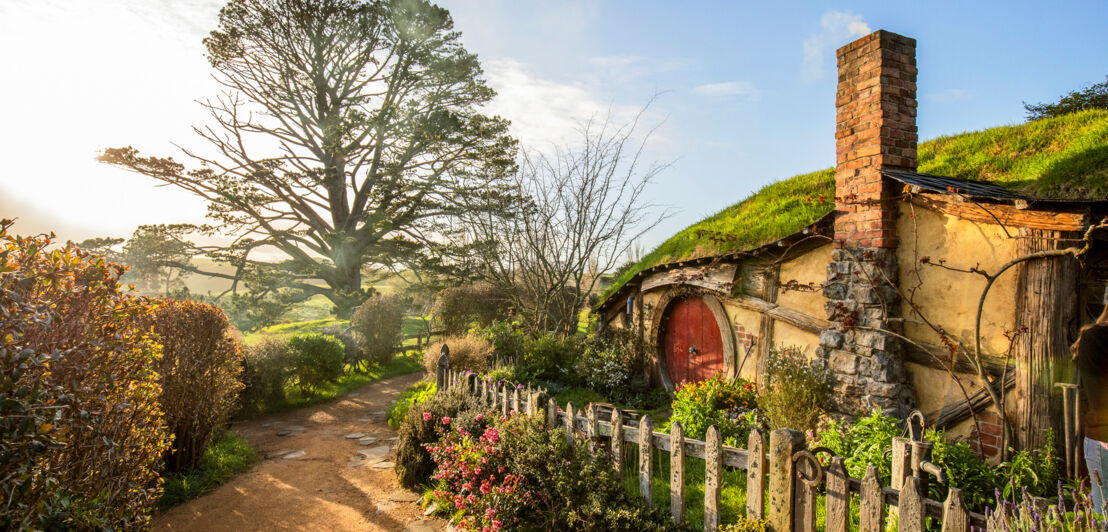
(1063, 158)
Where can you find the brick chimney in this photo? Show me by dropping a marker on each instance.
(875, 130)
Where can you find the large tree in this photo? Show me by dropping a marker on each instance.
(347, 133)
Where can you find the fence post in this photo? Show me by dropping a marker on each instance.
(713, 462)
(955, 515)
(677, 472)
(838, 497)
(551, 414)
(515, 400)
(646, 459)
(616, 446)
(783, 443)
(503, 399)
(910, 506)
(804, 492)
(872, 510)
(471, 384)
(570, 421)
(592, 429)
(756, 475)
(902, 465)
(443, 367)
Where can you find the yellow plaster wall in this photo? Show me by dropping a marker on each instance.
(948, 298)
(810, 267)
(785, 335)
(751, 322)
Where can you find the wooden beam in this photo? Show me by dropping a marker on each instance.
(716, 277)
(979, 401)
(1008, 215)
(938, 357)
(796, 318)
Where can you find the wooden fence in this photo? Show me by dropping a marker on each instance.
(782, 472)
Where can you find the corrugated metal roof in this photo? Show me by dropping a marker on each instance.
(952, 185)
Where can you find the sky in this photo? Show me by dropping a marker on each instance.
(743, 92)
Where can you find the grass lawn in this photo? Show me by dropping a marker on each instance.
(284, 331)
(227, 456)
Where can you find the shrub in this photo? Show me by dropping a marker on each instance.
(199, 373)
(345, 334)
(746, 525)
(863, 443)
(379, 322)
(549, 357)
(795, 392)
(414, 395)
(466, 353)
(413, 463)
(318, 359)
(731, 407)
(478, 305)
(81, 433)
(265, 370)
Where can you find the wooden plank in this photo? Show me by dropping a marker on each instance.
(838, 497)
(571, 416)
(756, 475)
(677, 473)
(938, 357)
(901, 458)
(783, 444)
(616, 445)
(872, 508)
(716, 277)
(796, 318)
(646, 459)
(978, 401)
(804, 496)
(1007, 215)
(955, 515)
(910, 507)
(766, 329)
(712, 485)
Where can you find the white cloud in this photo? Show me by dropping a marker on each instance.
(949, 95)
(727, 88)
(836, 29)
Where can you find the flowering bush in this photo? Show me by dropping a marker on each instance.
(414, 465)
(414, 395)
(1012, 517)
(730, 406)
(795, 392)
(472, 474)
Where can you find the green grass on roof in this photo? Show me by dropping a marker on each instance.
(1064, 157)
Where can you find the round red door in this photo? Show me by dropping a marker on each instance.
(694, 347)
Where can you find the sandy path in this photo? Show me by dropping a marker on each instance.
(328, 488)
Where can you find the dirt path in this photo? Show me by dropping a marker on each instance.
(328, 487)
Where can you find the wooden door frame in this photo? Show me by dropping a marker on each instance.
(727, 335)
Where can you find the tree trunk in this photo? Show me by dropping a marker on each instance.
(1047, 307)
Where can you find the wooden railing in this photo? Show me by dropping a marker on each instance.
(782, 472)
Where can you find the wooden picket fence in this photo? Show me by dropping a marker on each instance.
(782, 472)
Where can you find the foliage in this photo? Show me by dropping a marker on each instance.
(795, 392)
(345, 334)
(1082, 516)
(414, 395)
(414, 465)
(1091, 97)
(199, 373)
(467, 353)
(370, 111)
(1063, 157)
(457, 309)
(157, 260)
(319, 359)
(548, 357)
(615, 363)
(266, 369)
(862, 443)
(731, 407)
(227, 456)
(746, 525)
(81, 432)
(518, 475)
(379, 322)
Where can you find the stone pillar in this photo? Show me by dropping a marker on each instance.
(875, 131)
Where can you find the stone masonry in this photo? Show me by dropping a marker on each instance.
(875, 130)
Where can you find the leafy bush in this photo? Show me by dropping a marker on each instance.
(746, 525)
(795, 392)
(466, 353)
(1091, 97)
(413, 463)
(549, 357)
(319, 359)
(613, 361)
(266, 368)
(862, 443)
(345, 334)
(199, 373)
(478, 305)
(81, 432)
(731, 407)
(414, 395)
(379, 322)
(516, 474)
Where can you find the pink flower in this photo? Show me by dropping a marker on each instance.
(480, 417)
(427, 416)
(445, 420)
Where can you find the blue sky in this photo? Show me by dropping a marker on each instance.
(747, 88)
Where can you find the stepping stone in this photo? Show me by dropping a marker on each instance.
(394, 438)
(385, 506)
(355, 436)
(404, 496)
(297, 454)
(431, 508)
(278, 454)
(384, 465)
(378, 413)
(421, 526)
(368, 441)
(378, 452)
(293, 430)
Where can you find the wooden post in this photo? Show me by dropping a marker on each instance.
(646, 459)
(838, 497)
(872, 509)
(592, 429)
(955, 515)
(472, 385)
(713, 463)
(515, 400)
(616, 446)
(551, 414)
(910, 506)
(902, 467)
(570, 419)
(503, 399)
(804, 495)
(756, 475)
(783, 443)
(441, 382)
(677, 472)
